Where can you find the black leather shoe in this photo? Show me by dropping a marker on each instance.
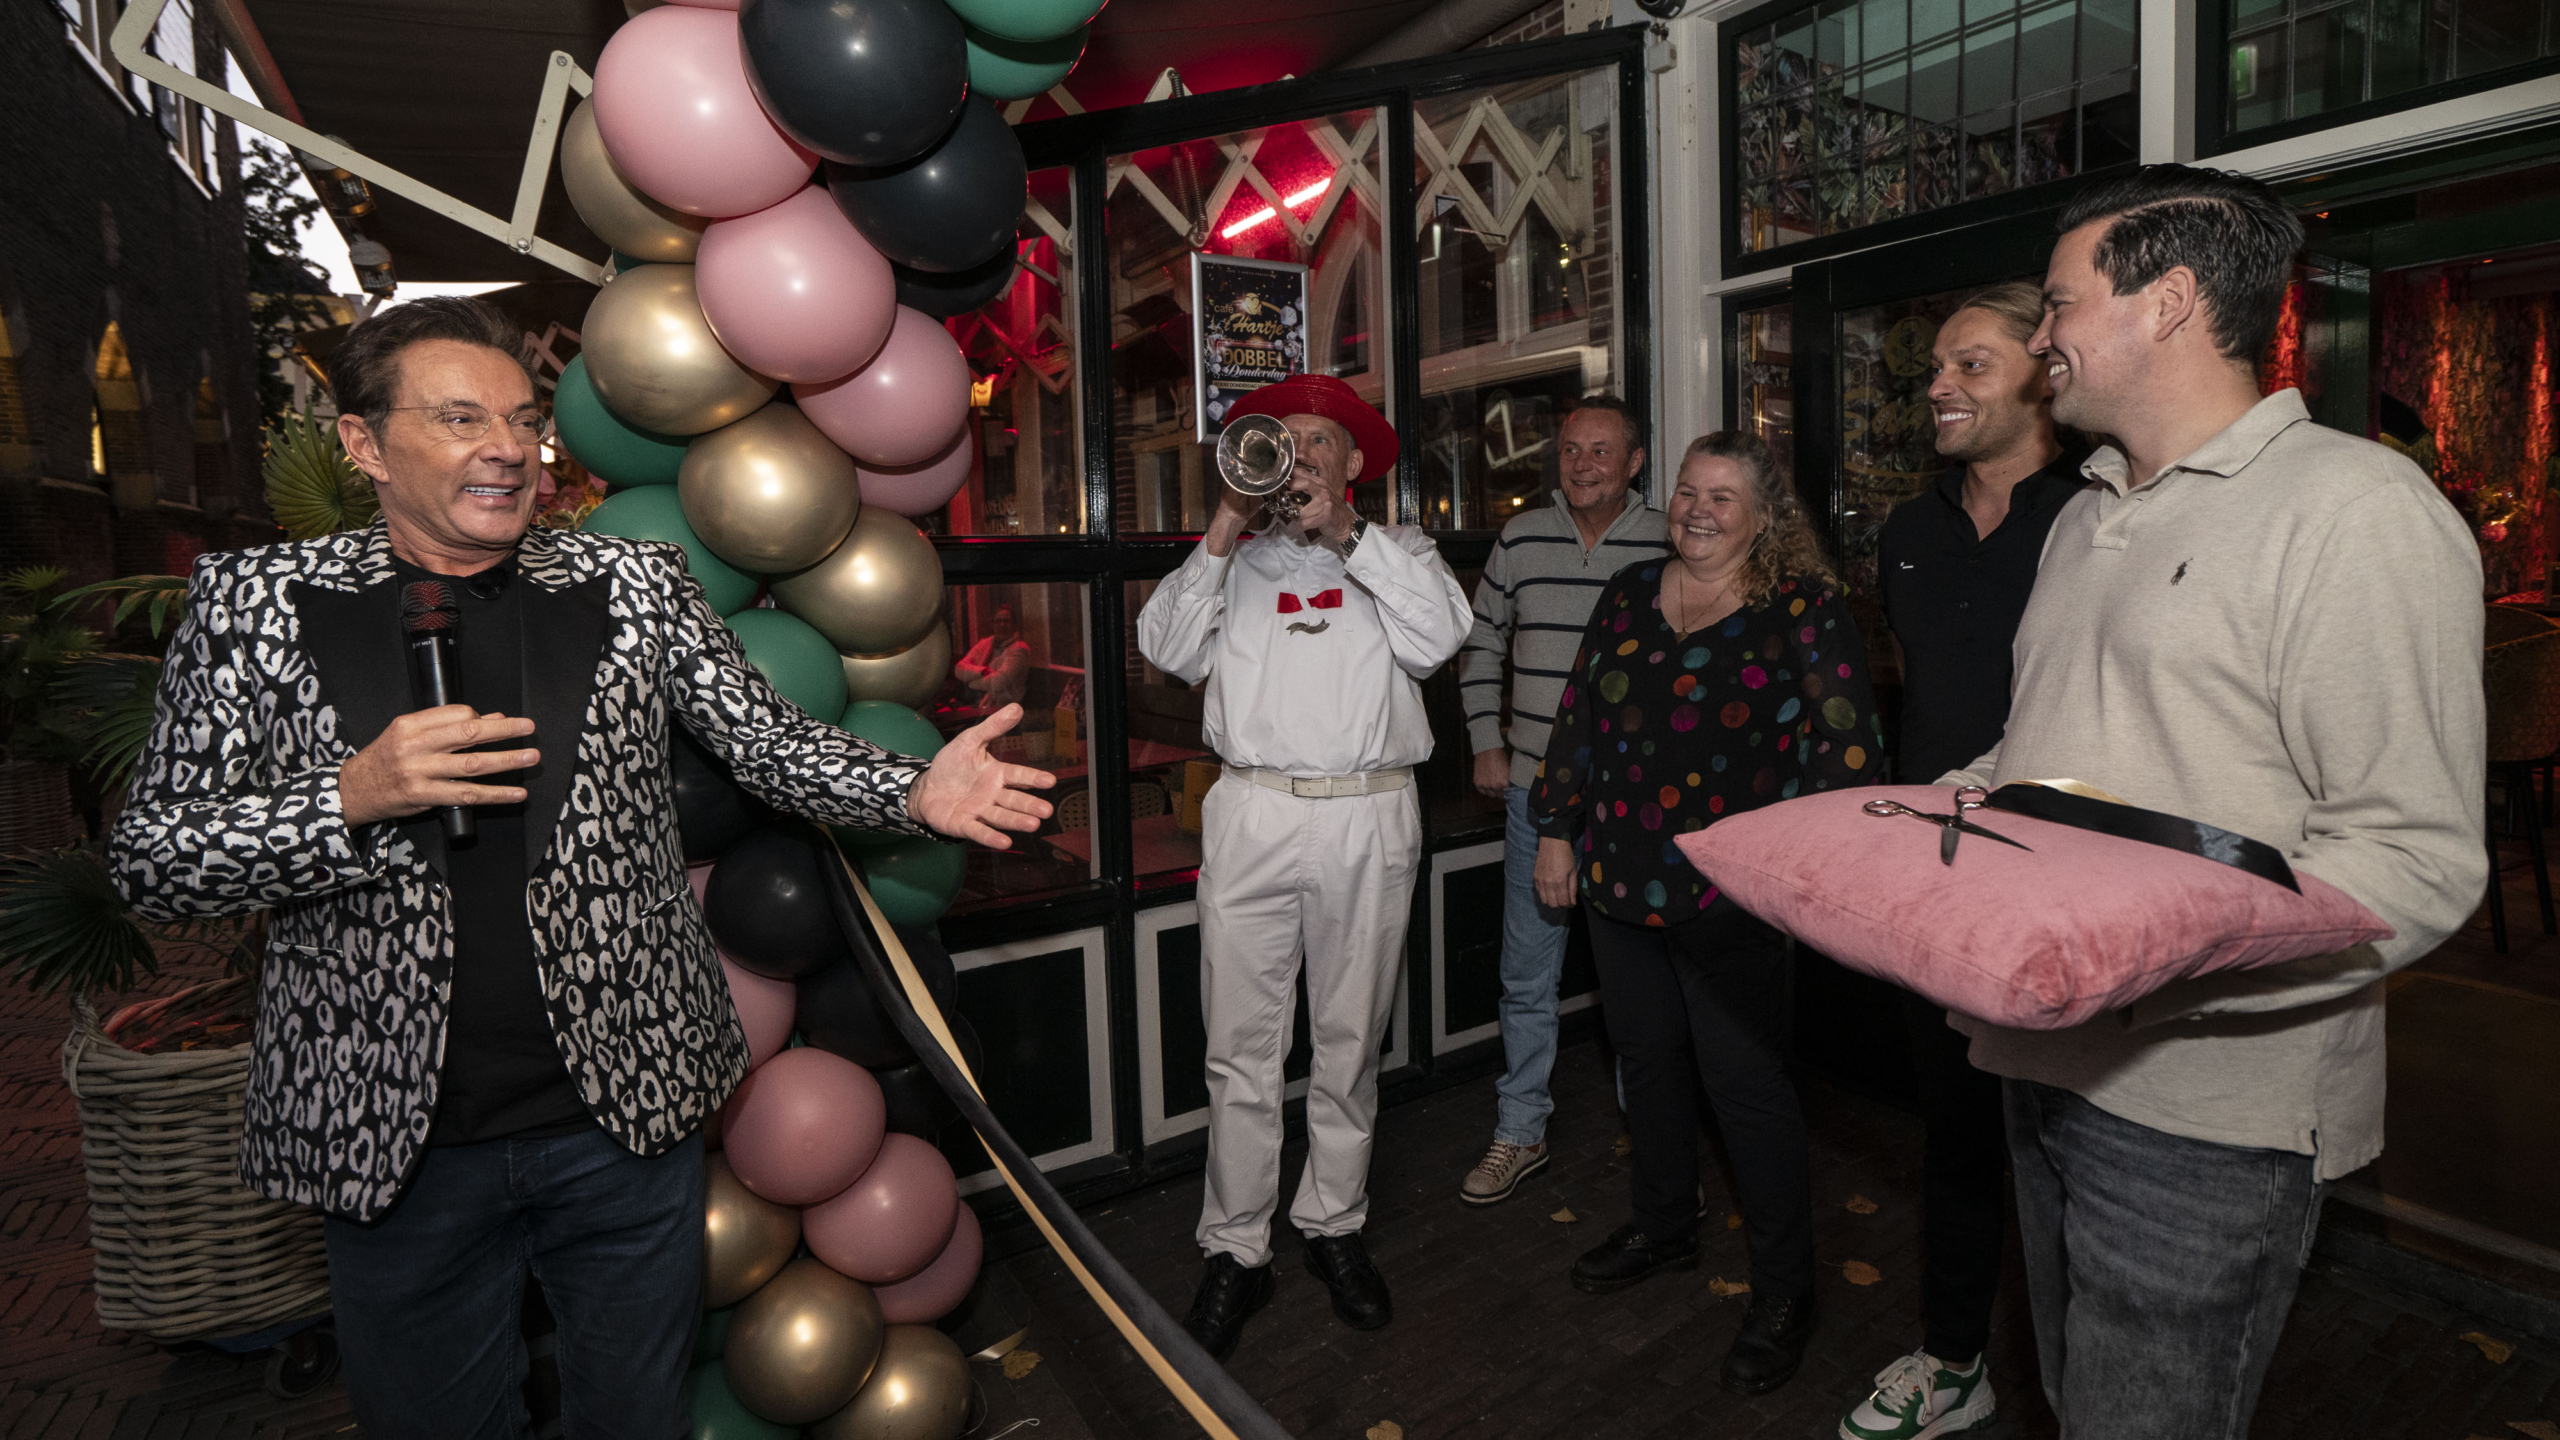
(1769, 1347)
(1359, 1291)
(1629, 1255)
(1228, 1295)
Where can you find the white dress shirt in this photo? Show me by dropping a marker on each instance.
(1311, 689)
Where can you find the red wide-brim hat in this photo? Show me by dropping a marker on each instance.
(1323, 395)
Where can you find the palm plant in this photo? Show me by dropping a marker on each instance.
(312, 487)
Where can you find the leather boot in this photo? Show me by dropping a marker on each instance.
(1629, 1255)
(1770, 1345)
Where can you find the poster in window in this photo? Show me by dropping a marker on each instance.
(1250, 319)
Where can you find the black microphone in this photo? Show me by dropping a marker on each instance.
(429, 622)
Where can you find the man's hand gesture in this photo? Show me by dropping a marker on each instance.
(969, 794)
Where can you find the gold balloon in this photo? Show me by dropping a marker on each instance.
(908, 677)
(769, 493)
(655, 361)
(620, 215)
(801, 1347)
(746, 1239)
(918, 1391)
(878, 592)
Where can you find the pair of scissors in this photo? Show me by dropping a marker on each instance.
(1971, 797)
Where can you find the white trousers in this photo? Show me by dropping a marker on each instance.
(1282, 877)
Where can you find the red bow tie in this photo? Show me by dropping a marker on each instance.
(1329, 600)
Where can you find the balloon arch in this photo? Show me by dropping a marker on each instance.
(799, 193)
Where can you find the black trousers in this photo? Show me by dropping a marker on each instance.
(1707, 1000)
(1962, 1185)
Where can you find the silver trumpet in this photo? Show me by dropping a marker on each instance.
(1256, 456)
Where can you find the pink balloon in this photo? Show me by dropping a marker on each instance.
(764, 1010)
(905, 406)
(795, 292)
(803, 1126)
(889, 1224)
(916, 491)
(938, 1289)
(678, 118)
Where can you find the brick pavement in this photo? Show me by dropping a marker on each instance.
(1490, 1340)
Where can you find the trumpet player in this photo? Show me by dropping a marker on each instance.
(1313, 635)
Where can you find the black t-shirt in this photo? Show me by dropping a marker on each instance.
(503, 1075)
(1954, 600)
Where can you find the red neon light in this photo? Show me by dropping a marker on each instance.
(1293, 200)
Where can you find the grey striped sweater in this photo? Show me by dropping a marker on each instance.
(1536, 597)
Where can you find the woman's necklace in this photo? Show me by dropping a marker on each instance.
(1681, 601)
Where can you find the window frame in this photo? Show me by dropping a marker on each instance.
(2212, 60)
(1733, 262)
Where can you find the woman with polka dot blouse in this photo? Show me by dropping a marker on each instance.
(1724, 677)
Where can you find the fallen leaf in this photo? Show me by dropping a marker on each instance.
(1861, 1205)
(1859, 1272)
(1386, 1430)
(1626, 1145)
(1021, 1363)
(1564, 1216)
(1723, 1289)
(2498, 1351)
(2538, 1429)
(1733, 1222)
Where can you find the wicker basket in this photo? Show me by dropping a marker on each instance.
(183, 1250)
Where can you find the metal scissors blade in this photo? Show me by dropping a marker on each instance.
(1950, 827)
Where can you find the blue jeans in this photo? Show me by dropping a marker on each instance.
(429, 1298)
(2160, 1269)
(1533, 937)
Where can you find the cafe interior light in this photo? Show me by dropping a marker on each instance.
(1293, 199)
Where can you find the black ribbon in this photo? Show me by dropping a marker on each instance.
(2151, 827)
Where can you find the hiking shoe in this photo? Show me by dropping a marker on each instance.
(1501, 1171)
(1919, 1396)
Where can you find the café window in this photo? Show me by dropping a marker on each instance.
(1849, 113)
(1286, 219)
(1517, 286)
(1018, 471)
(2289, 60)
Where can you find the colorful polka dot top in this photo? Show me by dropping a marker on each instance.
(1659, 733)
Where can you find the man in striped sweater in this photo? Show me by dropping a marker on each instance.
(1535, 599)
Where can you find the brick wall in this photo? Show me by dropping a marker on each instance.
(1544, 23)
(105, 226)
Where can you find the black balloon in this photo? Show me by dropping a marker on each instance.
(918, 1104)
(767, 904)
(712, 813)
(839, 1012)
(944, 296)
(950, 211)
(867, 82)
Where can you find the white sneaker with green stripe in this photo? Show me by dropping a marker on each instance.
(1919, 1396)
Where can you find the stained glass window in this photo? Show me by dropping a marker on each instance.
(1848, 112)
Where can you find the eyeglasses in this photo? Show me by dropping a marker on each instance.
(470, 422)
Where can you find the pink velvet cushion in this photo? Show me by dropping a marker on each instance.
(2085, 924)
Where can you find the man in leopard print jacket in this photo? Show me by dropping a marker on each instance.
(491, 1057)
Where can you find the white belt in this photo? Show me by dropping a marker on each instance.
(1326, 787)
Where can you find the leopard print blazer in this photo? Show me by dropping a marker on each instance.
(234, 808)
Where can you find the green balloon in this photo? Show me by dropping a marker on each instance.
(892, 726)
(621, 453)
(798, 660)
(915, 880)
(652, 513)
(1032, 20)
(717, 1415)
(713, 1336)
(622, 262)
(1002, 69)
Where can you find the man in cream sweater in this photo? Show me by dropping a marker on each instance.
(2272, 627)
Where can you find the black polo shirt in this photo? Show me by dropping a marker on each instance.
(503, 1073)
(1954, 600)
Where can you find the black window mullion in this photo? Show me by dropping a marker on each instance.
(1404, 302)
